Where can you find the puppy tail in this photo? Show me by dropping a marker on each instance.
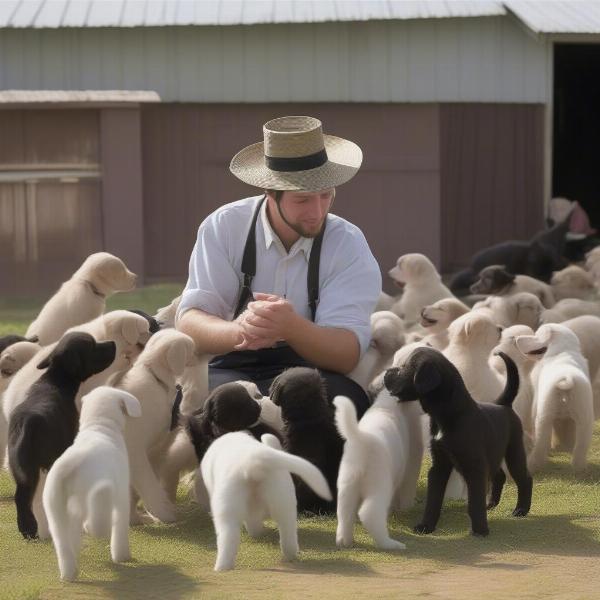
(511, 388)
(99, 508)
(301, 467)
(565, 383)
(345, 417)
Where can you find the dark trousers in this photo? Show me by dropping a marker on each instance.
(262, 366)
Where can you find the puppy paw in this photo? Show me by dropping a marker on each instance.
(423, 528)
(480, 532)
(519, 512)
(344, 542)
(391, 545)
(69, 574)
(121, 556)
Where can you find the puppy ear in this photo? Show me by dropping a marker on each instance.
(177, 357)
(504, 277)
(275, 390)
(130, 331)
(427, 378)
(7, 364)
(130, 405)
(45, 363)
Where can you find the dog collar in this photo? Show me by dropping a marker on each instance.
(94, 289)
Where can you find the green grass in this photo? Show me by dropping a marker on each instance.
(552, 553)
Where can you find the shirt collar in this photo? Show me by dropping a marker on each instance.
(303, 244)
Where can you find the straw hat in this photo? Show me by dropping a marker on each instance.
(296, 155)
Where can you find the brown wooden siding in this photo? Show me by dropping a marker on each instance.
(491, 176)
(187, 148)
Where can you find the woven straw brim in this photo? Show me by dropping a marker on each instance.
(344, 159)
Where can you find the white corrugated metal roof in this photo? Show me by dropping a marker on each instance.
(148, 13)
(557, 16)
(541, 16)
(61, 96)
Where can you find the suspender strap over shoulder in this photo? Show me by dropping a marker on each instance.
(249, 267)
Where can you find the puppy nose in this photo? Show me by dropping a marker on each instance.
(423, 312)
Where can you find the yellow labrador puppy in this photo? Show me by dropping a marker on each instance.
(83, 297)
(152, 380)
(422, 285)
(436, 319)
(573, 282)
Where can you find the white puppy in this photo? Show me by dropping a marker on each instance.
(573, 282)
(523, 308)
(422, 286)
(380, 466)
(248, 481)
(13, 359)
(83, 297)
(89, 483)
(562, 390)
(387, 335)
(592, 263)
(152, 380)
(166, 315)
(523, 403)
(436, 318)
(471, 340)
(569, 308)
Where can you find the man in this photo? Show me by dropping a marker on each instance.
(275, 280)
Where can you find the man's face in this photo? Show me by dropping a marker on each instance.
(305, 212)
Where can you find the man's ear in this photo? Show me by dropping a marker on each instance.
(427, 378)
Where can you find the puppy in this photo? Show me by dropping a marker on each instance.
(309, 430)
(379, 468)
(437, 317)
(44, 425)
(229, 407)
(471, 340)
(520, 309)
(562, 390)
(471, 437)
(569, 309)
(421, 283)
(573, 282)
(9, 340)
(166, 315)
(13, 358)
(387, 335)
(538, 257)
(152, 380)
(90, 481)
(248, 481)
(592, 263)
(83, 297)
(496, 280)
(523, 403)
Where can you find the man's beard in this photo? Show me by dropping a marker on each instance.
(298, 228)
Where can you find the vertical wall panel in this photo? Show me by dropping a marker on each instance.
(491, 176)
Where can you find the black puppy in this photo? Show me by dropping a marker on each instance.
(309, 430)
(538, 257)
(494, 279)
(45, 424)
(473, 438)
(229, 407)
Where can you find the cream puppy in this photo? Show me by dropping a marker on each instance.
(152, 380)
(387, 335)
(471, 340)
(422, 285)
(123, 327)
(569, 308)
(248, 481)
(436, 318)
(166, 315)
(523, 308)
(89, 483)
(562, 390)
(523, 403)
(13, 359)
(379, 468)
(592, 263)
(83, 297)
(573, 282)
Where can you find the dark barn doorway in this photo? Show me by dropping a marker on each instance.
(576, 131)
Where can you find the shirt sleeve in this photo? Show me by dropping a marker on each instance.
(350, 290)
(213, 284)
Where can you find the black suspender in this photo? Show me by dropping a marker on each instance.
(249, 267)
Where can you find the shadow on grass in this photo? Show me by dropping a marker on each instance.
(557, 535)
(145, 581)
(564, 472)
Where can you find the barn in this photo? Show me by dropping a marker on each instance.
(118, 119)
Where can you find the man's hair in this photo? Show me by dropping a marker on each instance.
(277, 194)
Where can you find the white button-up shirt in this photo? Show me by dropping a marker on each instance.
(349, 276)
